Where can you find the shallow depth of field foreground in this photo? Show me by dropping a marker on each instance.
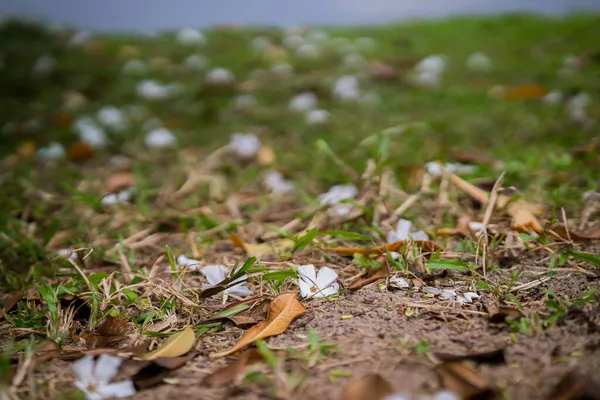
(408, 211)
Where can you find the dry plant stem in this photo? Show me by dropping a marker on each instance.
(408, 203)
(564, 215)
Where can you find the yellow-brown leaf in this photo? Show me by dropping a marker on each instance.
(175, 346)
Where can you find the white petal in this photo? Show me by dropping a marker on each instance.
(328, 291)
(398, 283)
(393, 237)
(240, 290)
(396, 397)
(117, 389)
(84, 368)
(445, 395)
(431, 290)
(107, 367)
(307, 273)
(214, 274)
(469, 296)
(448, 294)
(419, 235)
(305, 288)
(326, 277)
(403, 229)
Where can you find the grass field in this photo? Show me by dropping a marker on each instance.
(92, 229)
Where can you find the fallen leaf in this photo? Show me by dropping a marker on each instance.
(9, 301)
(372, 275)
(283, 309)
(500, 314)
(367, 387)
(111, 331)
(175, 346)
(266, 156)
(262, 249)
(153, 372)
(249, 315)
(44, 350)
(399, 246)
(119, 181)
(231, 372)
(463, 380)
(576, 385)
(525, 92)
(80, 151)
(26, 150)
(488, 357)
(561, 230)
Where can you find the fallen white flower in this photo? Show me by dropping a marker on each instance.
(90, 134)
(303, 102)
(245, 102)
(354, 61)
(316, 285)
(195, 61)
(68, 253)
(260, 44)
(317, 117)
(292, 41)
(477, 228)
(446, 395)
(479, 62)
(282, 70)
(134, 67)
(276, 183)
(152, 90)
(447, 294)
(431, 290)
(216, 274)
(245, 145)
(396, 396)
(398, 283)
(427, 79)
(188, 263)
(317, 37)
(44, 65)
(346, 88)
(190, 36)
(433, 168)
(435, 64)
(112, 117)
(337, 194)
(93, 378)
(54, 151)
(123, 197)
(590, 195)
(402, 232)
(579, 101)
(220, 76)
(554, 97)
(469, 296)
(307, 50)
(160, 138)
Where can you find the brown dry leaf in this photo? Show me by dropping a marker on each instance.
(265, 156)
(262, 249)
(499, 314)
(80, 151)
(488, 357)
(561, 230)
(175, 346)
(26, 150)
(399, 246)
(252, 315)
(576, 385)
(525, 92)
(231, 372)
(462, 227)
(111, 331)
(372, 275)
(282, 311)
(9, 301)
(119, 181)
(463, 380)
(151, 373)
(59, 240)
(367, 387)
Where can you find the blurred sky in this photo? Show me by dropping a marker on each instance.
(149, 15)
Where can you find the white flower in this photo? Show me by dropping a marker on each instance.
(303, 102)
(468, 297)
(220, 76)
(571, 61)
(445, 395)
(282, 70)
(580, 100)
(554, 97)
(292, 41)
(196, 61)
(152, 90)
(396, 396)
(365, 43)
(435, 64)
(54, 151)
(312, 285)
(245, 102)
(134, 67)
(398, 283)
(338, 193)
(160, 138)
(590, 195)
(68, 253)
(112, 117)
(189, 263)
(44, 65)
(477, 228)
(317, 37)
(317, 117)
(448, 294)
(427, 79)
(123, 197)
(89, 133)
(479, 62)
(433, 168)
(93, 378)
(80, 38)
(402, 232)
(245, 145)
(354, 61)
(216, 274)
(346, 88)
(276, 183)
(190, 36)
(307, 50)
(260, 44)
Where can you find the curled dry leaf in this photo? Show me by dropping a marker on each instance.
(463, 380)
(175, 346)
(119, 181)
(398, 246)
(367, 387)
(149, 373)
(80, 151)
(231, 372)
(282, 311)
(561, 230)
(9, 301)
(500, 314)
(372, 275)
(110, 332)
(262, 249)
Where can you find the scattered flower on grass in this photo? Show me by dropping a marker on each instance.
(196, 61)
(245, 145)
(477, 228)
(134, 67)
(554, 97)
(54, 151)
(346, 88)
(402, 232)
(44, 65)
(190, 36)
(112, 117)
(260, 44)
(303, 102)
(315, 285)
(188, 263)
(276, 183)
(307, 50)
(90, 134)
(433, 168)
(152, 90)
(68, 253)
(282, 70)
(122, 197)
(397, 282)
(479, 62)
(93, 378)
(435, 64)
(245, 102)
(292, 41)
(220, 76)
(317, 117)
(160, 138)
(216, 274)
(334, 196)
